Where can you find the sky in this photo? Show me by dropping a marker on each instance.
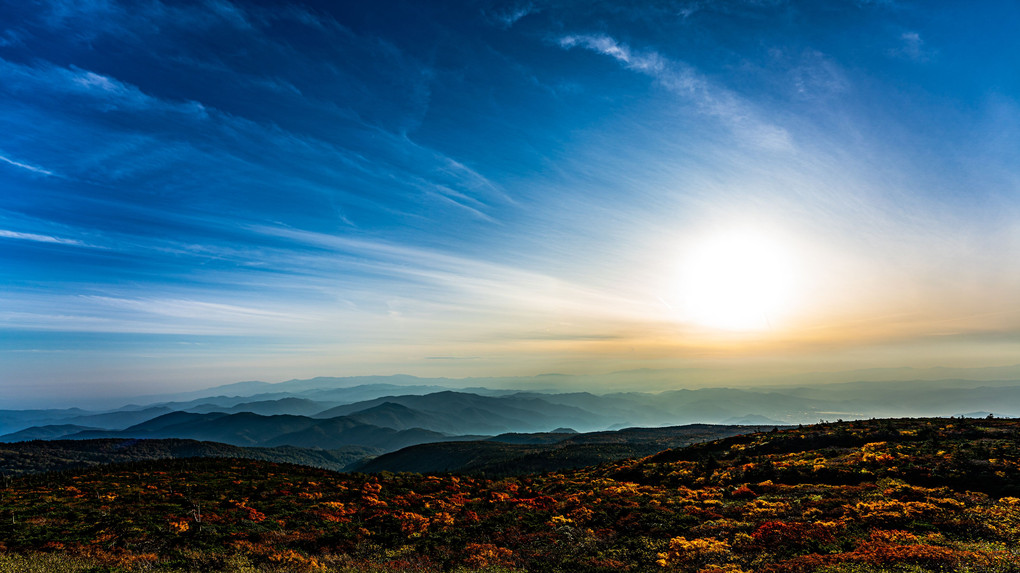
(202, 192)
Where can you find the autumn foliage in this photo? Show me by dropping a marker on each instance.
(880, 495)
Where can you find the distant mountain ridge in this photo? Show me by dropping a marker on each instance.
(248, 429)
(292, 405)
(481, 414)
(396, 411)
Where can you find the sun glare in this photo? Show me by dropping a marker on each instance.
(737, 281)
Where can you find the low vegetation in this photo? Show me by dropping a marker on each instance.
(869, 496)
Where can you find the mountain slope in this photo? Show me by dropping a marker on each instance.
(347, 431)
(120, 419)
(515, 454)
(400, 417)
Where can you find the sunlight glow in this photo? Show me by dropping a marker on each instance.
(737, 281)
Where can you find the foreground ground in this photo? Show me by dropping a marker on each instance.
(879, 495)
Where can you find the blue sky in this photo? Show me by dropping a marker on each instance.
(203, 192)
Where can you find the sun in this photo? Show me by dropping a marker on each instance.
(741, 281)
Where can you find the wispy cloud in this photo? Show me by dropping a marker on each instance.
(814, 74)
(157, 314)
(444, 193)
(106, 93)
(687, 82)
(509, 16)
(9, 38)
(26, 166)
(479, 284)
(351, 156)
(380, 159)
(91, 19)
(912, 47)
(40, 238)
(193, 309)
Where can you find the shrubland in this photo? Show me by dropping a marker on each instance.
(910, 495)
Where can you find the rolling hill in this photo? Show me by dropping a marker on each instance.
(516, 454)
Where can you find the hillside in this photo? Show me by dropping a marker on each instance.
(883, 495)
(61, 455)
(516, 454)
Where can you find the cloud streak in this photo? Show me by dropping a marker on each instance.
(25, 166)
(106, 93)
(313, 163)
(39, 238)
(693, 87)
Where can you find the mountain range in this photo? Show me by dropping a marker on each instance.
(386, 414)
